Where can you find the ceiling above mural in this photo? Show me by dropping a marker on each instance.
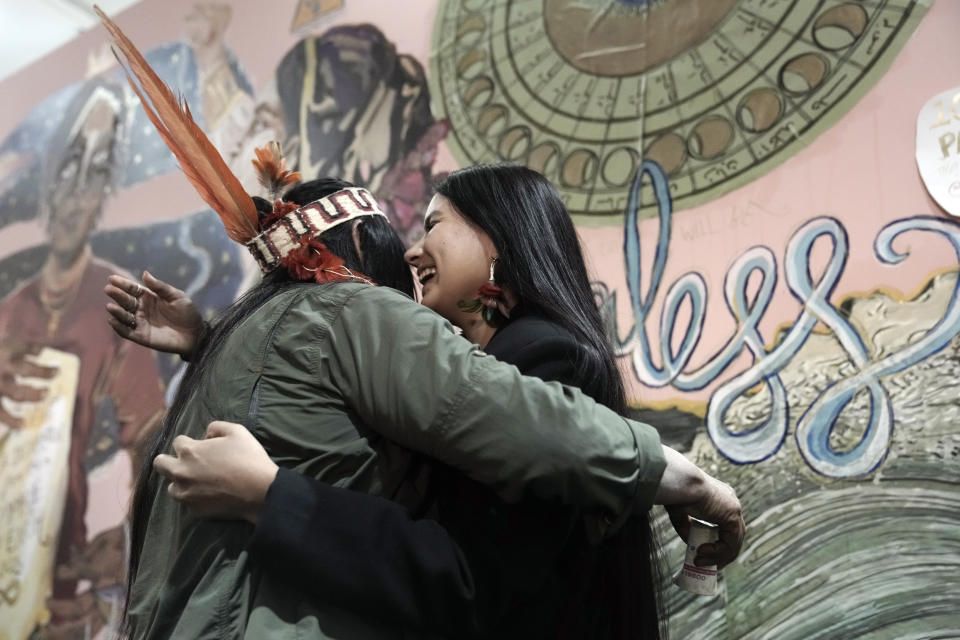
(31, 30)
(718, 93)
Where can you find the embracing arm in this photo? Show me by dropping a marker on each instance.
(412, 379)
(517, 435)
(459, 406)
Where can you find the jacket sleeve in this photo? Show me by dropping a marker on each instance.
(407, 375)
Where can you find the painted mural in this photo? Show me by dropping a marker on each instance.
(95, 143)
(796, 336)
(716, 93)
(840, 434)
(353, 107)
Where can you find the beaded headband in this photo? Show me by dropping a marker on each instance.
(283, 236)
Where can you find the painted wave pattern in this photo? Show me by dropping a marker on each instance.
(877, 557)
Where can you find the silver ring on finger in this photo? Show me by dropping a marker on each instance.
(139, 291)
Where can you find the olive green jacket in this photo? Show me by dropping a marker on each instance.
(340, 382)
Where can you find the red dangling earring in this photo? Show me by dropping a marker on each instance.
(489, 295)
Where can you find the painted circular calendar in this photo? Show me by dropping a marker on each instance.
(716, 92)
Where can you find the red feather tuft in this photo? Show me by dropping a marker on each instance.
(310, 260)
(199, 159)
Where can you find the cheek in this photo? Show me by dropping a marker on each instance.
(466, 281)
(462, 259)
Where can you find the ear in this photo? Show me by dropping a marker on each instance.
(355, 232)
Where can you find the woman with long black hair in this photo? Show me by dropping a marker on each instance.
(545, 322)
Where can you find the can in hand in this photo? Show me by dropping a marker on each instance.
(699, 580)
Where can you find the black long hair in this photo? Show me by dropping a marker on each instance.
(616, 591)
(380, 258)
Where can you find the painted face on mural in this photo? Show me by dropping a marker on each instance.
(83, 176)
(328, 85)
(204, 25)
(452, 259)
(355, 108)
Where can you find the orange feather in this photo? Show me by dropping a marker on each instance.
(199, 159)
(272, 169)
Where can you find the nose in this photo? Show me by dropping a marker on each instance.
(414, 253)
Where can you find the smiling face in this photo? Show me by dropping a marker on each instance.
(452, 260)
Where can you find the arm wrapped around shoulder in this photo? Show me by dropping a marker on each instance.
(405, 372)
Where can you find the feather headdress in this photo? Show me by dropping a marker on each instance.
(199, 159)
